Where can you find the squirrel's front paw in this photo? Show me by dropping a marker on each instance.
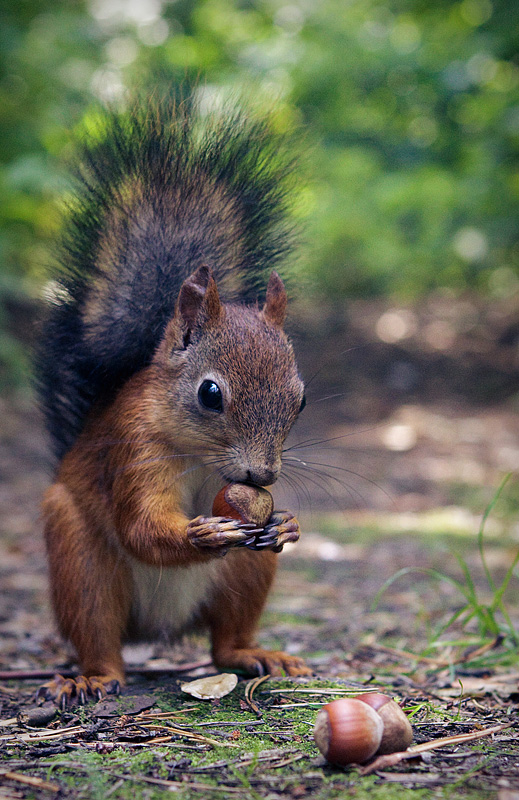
(219, 533)
(281, 528)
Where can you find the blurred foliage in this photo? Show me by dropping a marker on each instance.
(410, 110)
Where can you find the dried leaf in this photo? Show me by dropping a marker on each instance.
(127, 704)
(508, 794)
(211, 688)
(500, 685)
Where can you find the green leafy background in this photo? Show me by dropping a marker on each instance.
(410, 114)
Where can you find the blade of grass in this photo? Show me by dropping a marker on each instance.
(490, 507)
(498, 598)
(433, 573)
(452, 619)
(474, 608)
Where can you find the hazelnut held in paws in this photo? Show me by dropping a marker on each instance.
(254, 505)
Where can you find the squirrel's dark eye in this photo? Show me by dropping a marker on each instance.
(210, 396)
(303, 403)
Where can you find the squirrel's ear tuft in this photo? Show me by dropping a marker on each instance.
(198, 300)
(275, 307)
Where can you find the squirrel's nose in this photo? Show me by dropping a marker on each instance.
(262, 477)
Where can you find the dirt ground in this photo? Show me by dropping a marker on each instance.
(410, 426)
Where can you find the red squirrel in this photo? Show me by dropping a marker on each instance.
(156, 391)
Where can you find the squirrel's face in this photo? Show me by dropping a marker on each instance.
(234, 393)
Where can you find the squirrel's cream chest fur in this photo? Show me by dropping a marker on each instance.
(166, 600)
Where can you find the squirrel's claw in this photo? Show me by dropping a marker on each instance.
(219, 533)
(59, 689)
(282, 527)
(257, 661)
(62, 690)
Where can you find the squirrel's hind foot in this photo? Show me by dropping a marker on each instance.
(257, 661)
(63, 690)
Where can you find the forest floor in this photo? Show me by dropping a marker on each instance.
(411, 427)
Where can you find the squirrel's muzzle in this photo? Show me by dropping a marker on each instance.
(262, 477)
(260, 474)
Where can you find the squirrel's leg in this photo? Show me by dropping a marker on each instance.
(153, 529)
(234, 613)
(91, 594)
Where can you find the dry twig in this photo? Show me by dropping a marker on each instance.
(29, 780)
(394, 758)
(250, 688)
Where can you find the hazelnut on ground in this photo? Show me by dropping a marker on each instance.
(348, 731)
(397, 734)
(353, 730)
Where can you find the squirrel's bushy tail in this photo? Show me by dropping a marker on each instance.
(161, 189)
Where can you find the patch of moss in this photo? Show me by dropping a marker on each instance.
(272, 755)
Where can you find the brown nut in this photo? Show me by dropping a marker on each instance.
(244, 502)
(397, 734)
(348, 731)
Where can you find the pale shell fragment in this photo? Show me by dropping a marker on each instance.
(211, 688)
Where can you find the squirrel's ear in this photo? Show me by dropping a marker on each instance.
(275, 307)
(198, 300)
